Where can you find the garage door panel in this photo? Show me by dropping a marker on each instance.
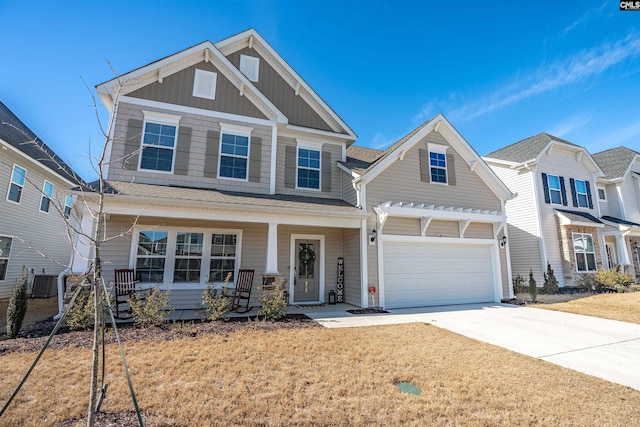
(425, 274)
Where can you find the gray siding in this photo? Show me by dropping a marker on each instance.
(39, 239)
(348, 193)
(178, 89)
(282, 94)
(352, 283)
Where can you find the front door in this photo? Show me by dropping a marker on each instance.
(306, 282)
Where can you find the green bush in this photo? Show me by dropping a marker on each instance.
(152, 309)
(216, 302)
(550, 282)
(586, 282)
(273, 302)
(17, 305)
(518, 284)
(533, 287)
(82, 312)
(612, 278)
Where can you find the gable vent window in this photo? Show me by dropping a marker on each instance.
(204, 84)
(250, 67)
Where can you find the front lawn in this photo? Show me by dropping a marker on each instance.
(319, 377)
(622, 306)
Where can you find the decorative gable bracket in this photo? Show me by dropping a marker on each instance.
(462, 226)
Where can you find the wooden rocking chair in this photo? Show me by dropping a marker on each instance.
(242, 293)
(125, 287)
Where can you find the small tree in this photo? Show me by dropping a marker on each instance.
(82, 312)
(550, 282)
(215, 302)
(518, 284)
(17, 305)
(533, 287)
(273, 302)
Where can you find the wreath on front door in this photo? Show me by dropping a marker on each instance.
(307, 256)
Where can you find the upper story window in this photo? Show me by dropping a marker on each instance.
(204, 84)
(18, 177)
(158, 142)
(250, 67)
(234, 151)
(584, 252)
(308, 174)
(68, 204)
(581, 194)
(438, 163)
(555, 190)
(5, 251)
(602, 195)
(47, 194)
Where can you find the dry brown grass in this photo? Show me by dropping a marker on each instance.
(320, 377)
(624, 306)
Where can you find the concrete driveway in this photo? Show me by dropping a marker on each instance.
(603, 348)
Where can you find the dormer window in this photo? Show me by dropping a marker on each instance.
(250, 67)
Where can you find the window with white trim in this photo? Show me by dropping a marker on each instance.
(438, 163)
(204, 84)
(581, 193)
(250, 67)
(308, 164)
(158, 142)
(18, 177)
(68, 205)
(555, 192)
(188, 261)
(151, 255)
(584, 252)
(223, 257)
(602, 194)
(234, 151)
(47, 194)
(5, 251)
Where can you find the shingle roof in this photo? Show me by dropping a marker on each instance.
(526, 149)
(579, 216)
(362, 159)
(615, 162)
(20, 137)
(182, 195)
(620, 221)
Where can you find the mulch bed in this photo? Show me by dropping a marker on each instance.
(34, 338)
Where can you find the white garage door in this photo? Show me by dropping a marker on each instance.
(426, 274)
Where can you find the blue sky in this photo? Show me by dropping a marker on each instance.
(499, 71)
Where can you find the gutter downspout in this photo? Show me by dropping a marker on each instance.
(66, 272)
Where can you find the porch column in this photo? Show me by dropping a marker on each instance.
(623, 254)
(271, 261)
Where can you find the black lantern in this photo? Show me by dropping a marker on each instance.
(332, 297)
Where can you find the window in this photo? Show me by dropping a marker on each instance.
(581, 194)
(68, 204)
(602, 195)
(438, 166)
(234, 156)
(223, 257)
(555, 192)
(308, 168)
(158, 142)
(250, 67)
(584, 252)
(188, 257)
(5, 250)
(151, 256)
(47, 193)
(204, 84)
(18, 176)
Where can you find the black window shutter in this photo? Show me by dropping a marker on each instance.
(545, 187)
(326, 171)
(132, 144)
(451, 170)
(588, 185)
(255, 159)
(290, 167)
(563, 190)
(211, 154)
(572, 182)
(425, 173)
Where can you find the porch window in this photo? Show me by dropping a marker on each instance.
(151, 255)
(555, 192)
(5, 251)
(223, 257)
(18, 176)
(188, 257)
(584, 252)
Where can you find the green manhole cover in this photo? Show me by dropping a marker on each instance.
(408, 388)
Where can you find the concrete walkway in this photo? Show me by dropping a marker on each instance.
(602, 348)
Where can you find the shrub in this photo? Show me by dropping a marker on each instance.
(518, 284)
(612, 278)
(152, 309)
(533, 287)
(273, 302)
(82, 312)
(586, 282)
(550, 282)
(216, 302)
(634, 288)
(17, 305)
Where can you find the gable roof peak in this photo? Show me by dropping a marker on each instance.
(615, 162)
(528, 148)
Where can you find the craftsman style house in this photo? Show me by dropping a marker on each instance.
(35, 196)
(221, 157)
(555, 219)
(618, 195)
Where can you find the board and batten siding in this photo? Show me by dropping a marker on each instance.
(195, 174)
(283, 96)
(33, 232)
(524, 233)
(177, 89)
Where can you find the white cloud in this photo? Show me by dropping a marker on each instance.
(424, 114)
(584, 17)
(628, 136)
(381, 142)
(570, 124)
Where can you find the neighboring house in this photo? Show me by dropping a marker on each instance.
(555, 217)
(222, 158)
(34, 195)
(619, 200)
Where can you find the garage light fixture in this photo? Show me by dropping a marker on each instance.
(635, 245)
(503, 241)
(372, 237)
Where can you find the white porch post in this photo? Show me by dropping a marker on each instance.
(271, 261)
(623, 254)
